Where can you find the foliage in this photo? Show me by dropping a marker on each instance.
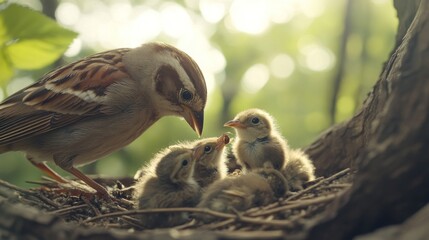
(29, 40)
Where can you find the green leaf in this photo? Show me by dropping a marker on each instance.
(6, 71)
(30, 39)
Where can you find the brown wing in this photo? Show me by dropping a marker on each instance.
(61, 97)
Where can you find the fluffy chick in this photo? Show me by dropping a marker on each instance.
(298, 170)
(168, 182)
(275, 179)
(258, 142)
(236, 193)
(211, 166)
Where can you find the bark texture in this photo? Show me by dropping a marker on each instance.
(391, 150)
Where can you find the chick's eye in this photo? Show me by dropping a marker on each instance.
(207, 149)
(255, 120)
(184, 162)
(186, 95)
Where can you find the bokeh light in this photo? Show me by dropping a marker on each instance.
(255, 78)
(282, 66)
(250, 16)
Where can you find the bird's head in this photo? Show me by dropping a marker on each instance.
(210, 150)
(177, 166)
(172, 81)
(251, 124)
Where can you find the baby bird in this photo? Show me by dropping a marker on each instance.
(258, 143)
(211, 165)
(298, 170)
(168, 182)
(236, 193)
(275, 179)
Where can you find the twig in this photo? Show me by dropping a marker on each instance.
(162, 210)
(279, 223)
(337, 185)
(186, 225)
(68, 209)
(47, 200)
(250, 234)
(302, 204)
(132, 221)
(90, 205)
(218, 224)
(326, 180)
(16, 188)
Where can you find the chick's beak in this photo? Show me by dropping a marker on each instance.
(222, 141)
(198, 152)
(234, 124)
(195, 119)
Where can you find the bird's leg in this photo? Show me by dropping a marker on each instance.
(100, 189)
(48, 171)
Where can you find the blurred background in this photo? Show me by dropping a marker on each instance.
(310, 63)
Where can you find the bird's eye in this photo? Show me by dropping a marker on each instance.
(207, 149)
(186, 95)
(184, 162)
(255, 120)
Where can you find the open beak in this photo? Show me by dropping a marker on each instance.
(195, 119)
(234, 124)
(222, 141)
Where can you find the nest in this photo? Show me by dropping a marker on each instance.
(290, 215)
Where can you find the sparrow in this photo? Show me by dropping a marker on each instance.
(298, 170)
(92, 107)
(168, 182)
(211, 166)
(258, 144)
(236, 194)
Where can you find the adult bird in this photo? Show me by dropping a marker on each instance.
(89, 108)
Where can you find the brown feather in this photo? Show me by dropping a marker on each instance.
(60, 97)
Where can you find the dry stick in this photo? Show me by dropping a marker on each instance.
(29, 192)
(90, 205)
(250, 234)
(162, 210)
(337, 185)
(132, 221)
(16, 188)
(326, 180)
(186, 225)
(304, 203)
(218, 224)
(48, 201)
(279, 223)
(68, 209)
(319, 181)
(266, 210)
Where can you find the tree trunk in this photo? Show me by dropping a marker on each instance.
(386, 142)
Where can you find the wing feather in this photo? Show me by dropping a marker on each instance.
(61, 97)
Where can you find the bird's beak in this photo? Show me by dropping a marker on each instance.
(195, 119)
(198, 152)
(222, 141)
(234, 124)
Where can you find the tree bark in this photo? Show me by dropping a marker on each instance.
(391, 150)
